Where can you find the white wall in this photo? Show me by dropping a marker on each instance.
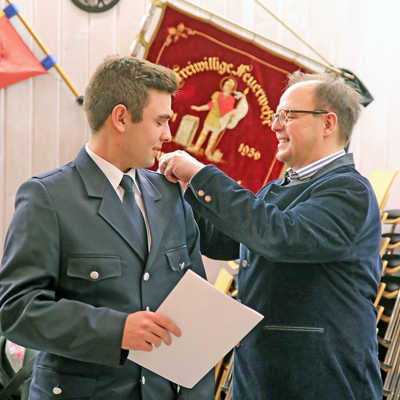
(42, 127)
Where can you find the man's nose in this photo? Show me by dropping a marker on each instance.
(166, 134)
(276, 125)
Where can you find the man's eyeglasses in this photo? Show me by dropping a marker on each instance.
(283, 115)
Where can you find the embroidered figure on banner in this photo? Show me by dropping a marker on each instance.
(225, 109)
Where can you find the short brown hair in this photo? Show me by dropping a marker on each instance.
(333, 94)
(124, 80)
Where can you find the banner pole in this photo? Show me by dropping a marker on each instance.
(79, 98)
(329, 65)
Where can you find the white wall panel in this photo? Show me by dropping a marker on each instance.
(129, 16)
(74, 59)
(45, 105)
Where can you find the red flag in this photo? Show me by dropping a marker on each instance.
(17, 62)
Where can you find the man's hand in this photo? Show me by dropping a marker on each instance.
(179, 166)
(143, 329)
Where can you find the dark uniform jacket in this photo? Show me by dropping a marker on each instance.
(309, 262)
(71, 273)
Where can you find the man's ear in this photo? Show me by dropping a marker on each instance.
(330, 124)
(119, 117)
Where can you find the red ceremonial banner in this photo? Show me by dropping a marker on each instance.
(229, 89)
(17, 62)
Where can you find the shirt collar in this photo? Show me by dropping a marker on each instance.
(311, 169)
(112, 173)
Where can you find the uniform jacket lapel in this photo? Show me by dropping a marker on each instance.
(155, 212)
(110, 208)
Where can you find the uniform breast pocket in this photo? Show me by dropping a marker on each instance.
(178, 258)
(87, 276)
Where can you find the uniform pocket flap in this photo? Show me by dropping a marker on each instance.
(178, 259)
(94, 268)
(63, 386)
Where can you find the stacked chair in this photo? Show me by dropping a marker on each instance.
(388, 299)
(388, 321)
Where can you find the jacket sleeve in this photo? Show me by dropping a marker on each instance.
(213, 243)
(30, 312)
(327, 224)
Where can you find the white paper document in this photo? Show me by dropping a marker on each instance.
(212, 323)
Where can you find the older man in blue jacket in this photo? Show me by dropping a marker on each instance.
(309, 252)
(89, 255)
